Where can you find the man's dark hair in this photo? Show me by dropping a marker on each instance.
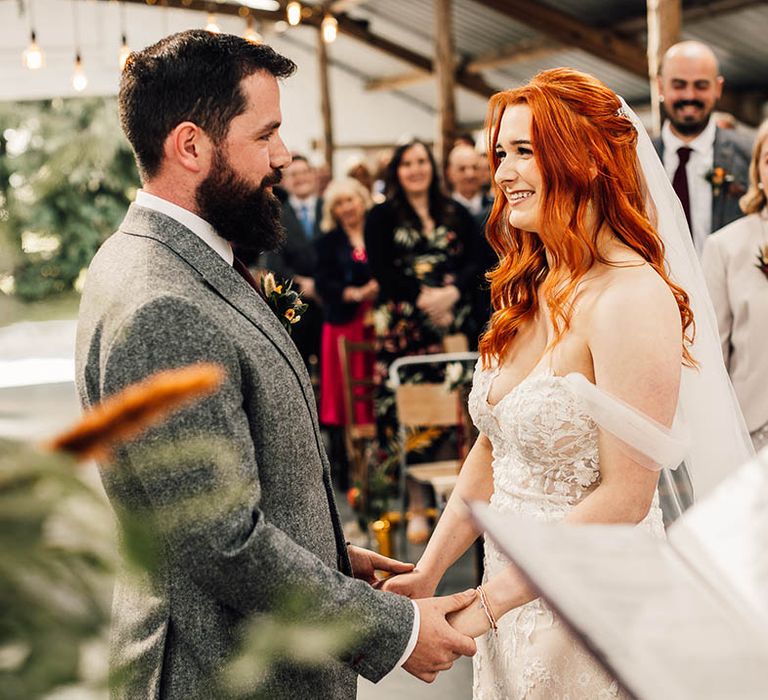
(190, 76)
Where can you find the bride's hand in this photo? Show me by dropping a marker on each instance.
(471, 621)
(414, 584)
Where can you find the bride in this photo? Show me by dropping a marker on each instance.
(580, 294)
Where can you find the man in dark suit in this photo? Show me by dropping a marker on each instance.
(465, 180)
(249, 516)
(708, 165)
(296, 259)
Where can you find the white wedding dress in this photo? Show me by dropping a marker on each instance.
(545, 461)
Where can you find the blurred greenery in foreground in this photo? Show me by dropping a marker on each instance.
(66, 178)
(60, 556)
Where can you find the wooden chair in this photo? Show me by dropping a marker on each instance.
(358, 437)
(423, 406)
(457, 342)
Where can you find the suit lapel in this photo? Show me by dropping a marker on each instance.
(223, 279)
(723, 155)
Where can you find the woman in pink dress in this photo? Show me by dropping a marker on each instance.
(344, 283)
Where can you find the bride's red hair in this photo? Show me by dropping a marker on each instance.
(575, 124)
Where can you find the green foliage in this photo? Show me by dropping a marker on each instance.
(66, 178)
(59, 557)
(55, 572)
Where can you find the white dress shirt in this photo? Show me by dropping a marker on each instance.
(699, 164)
(200, 227)
(206, 232)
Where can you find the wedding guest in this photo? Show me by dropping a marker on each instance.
(463, 175)
(296, 259)
(345, 285)
(735, 264)
(706, 164)
(421, 247)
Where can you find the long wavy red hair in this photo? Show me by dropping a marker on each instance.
(575, 123)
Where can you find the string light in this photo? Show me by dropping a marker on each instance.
(329, 27)
(293, 13)
(32, 57)
(79, 78)
(211, 25)
(125, 52)
(250, 33)
(122, 56)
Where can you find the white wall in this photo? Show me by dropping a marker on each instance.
(359, 116)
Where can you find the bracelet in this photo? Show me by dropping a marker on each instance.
(487, 608)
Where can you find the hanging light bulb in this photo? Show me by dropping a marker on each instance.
(122, 57)
(32, 57)
(211, 25)
(293, 13)
(329, 27)
(250, 34)
(79, 79)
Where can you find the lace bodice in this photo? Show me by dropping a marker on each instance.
(545, 462)
(545, 453)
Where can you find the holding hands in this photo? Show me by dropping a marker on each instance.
(439, 643)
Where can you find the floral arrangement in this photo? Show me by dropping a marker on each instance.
(762, 259)
(283, 299)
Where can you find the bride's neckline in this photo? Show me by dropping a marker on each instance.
(540, 369)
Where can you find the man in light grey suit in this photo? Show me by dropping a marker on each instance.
(202, 114)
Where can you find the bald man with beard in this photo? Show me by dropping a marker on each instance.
(691, 145)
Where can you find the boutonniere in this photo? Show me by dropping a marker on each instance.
(719, 178)
(283, 300)
(762, 259)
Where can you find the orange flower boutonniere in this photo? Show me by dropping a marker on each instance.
(283, 300)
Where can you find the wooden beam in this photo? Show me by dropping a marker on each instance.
(220, 8)
(401, 80)
(664, 22)
(692, 12)
(525, 50)
(602, 43)
(325, 100)
(355, 30)
(445, 62)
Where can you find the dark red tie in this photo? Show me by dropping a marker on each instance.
(680, 183)
(245, 273)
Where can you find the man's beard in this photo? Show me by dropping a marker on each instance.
(247, 216)
(688, 127)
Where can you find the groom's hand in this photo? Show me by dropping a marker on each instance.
(439, 645)
(365, 563)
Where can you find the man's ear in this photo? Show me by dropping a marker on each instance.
(719, 82)
(189, 147)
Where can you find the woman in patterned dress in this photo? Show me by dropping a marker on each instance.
(423, 251)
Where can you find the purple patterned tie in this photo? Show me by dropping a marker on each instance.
(680, 183)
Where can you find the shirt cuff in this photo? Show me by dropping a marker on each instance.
(413, 638)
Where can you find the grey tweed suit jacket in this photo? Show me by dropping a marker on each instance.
(158, 297)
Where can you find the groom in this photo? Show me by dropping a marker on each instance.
(202, 114)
